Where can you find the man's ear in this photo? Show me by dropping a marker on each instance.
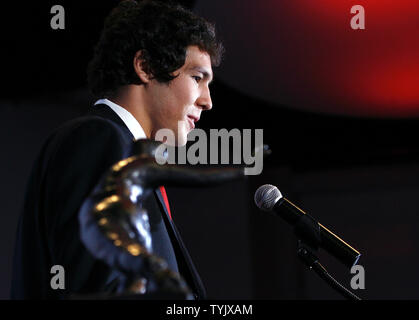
(137, 63)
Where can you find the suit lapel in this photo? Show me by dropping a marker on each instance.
(185, 264)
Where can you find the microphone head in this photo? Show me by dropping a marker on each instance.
(267, 196)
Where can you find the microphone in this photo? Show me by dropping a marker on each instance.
(269, 198)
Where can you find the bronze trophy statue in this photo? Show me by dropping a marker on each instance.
(114, 224)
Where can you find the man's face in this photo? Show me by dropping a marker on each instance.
(178, 104)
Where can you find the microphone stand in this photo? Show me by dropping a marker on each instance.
(312, 261)
(307, 252)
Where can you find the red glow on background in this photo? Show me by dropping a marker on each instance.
(304, 54)
(372, 72)
(395, 84)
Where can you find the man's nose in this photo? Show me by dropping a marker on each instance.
(204, 100)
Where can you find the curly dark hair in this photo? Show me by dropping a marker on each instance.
(161, 31)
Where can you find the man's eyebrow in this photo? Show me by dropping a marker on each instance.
(205, 73)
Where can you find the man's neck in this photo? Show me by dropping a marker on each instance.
(132, 100)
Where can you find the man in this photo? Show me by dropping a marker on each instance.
(151, 70)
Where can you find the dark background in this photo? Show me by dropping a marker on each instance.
(358, 175)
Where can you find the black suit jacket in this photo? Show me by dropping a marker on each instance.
(70, 164)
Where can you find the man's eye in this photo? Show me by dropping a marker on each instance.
(197, 79)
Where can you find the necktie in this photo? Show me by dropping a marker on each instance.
(166, 201)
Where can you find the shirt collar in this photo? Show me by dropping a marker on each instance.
(126, 116)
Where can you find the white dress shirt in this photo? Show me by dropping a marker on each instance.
(126, 116)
